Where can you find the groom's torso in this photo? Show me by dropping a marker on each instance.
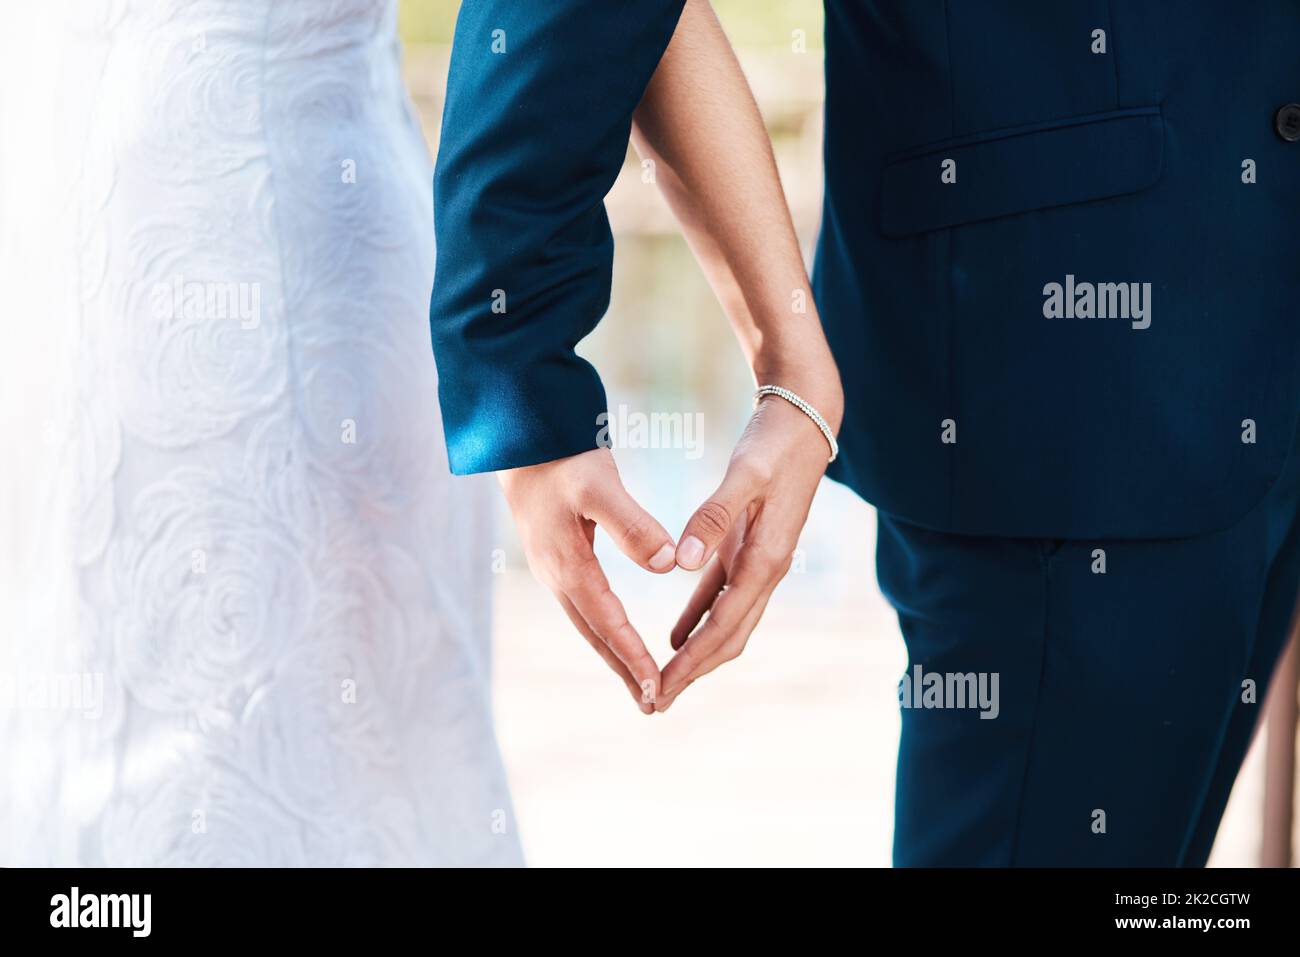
(1060, 259)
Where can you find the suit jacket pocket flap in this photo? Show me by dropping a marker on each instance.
(1004, 172)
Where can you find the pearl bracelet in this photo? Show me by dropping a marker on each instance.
(803, 407)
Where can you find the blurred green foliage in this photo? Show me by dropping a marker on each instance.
(427, 21)
(754, 23)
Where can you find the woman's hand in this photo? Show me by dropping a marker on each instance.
(752, 525)
(699, 126)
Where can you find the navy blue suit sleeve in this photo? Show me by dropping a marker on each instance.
(533, 136)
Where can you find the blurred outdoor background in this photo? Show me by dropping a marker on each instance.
(786, 756)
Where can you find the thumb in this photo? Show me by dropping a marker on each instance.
(634, 530)
(711, 521)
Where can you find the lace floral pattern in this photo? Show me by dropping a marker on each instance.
(255, 540)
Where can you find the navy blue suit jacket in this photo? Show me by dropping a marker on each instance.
(977, 152)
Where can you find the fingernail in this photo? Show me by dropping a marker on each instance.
(690, 552)
(663, 558)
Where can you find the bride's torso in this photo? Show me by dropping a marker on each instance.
(255, 220)
(301, 99)
(241, 513)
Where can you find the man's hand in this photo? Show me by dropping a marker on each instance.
(752, 523)
(557, 506)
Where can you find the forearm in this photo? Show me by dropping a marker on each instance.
(713, 161)
(535, 129)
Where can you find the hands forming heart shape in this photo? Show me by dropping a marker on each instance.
(750, 525)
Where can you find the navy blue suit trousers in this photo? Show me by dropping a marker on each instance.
(1130, 676)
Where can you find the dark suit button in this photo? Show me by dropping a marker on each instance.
(1287, 122)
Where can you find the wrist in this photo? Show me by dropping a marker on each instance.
(812, 375)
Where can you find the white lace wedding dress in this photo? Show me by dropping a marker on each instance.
(243, 606)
